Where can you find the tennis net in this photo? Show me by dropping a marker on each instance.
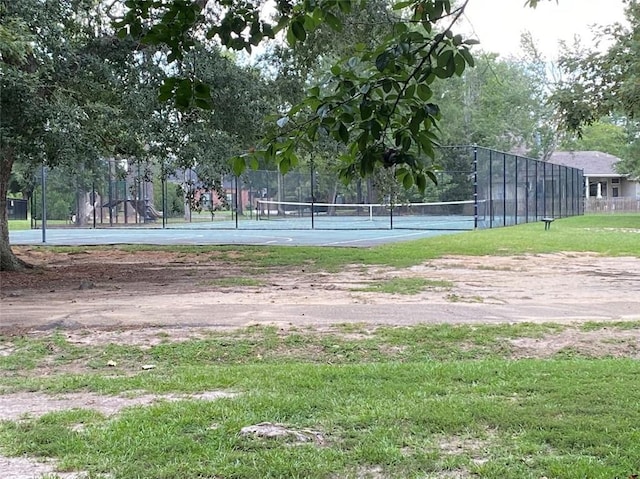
(453, 215)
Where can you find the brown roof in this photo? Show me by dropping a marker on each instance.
(594, 163)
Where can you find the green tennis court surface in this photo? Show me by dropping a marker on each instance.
(200, 234)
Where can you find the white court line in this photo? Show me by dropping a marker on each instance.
(278, 241)
(386, 237)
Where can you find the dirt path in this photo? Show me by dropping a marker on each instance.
(116, 289)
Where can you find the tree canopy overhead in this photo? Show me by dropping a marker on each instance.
(376, 100)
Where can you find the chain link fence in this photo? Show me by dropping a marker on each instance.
(477, 188)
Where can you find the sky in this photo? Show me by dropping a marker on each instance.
(498, 24)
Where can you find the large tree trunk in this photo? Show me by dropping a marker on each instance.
(8, 260)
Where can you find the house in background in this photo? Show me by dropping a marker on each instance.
(605, 188)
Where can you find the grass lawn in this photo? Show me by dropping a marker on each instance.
(419, 402)
(613, 235)
(426, 401)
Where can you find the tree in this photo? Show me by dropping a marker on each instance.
(599, 84)
(61, 101)
(376, 102)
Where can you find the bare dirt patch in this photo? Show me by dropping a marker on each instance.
(115, 289)
(28, 468)
(604, 342)
(28, 404)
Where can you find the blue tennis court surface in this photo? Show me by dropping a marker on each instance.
(203, 234)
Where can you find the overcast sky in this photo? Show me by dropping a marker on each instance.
(499, 23)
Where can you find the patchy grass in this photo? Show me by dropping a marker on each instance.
(406, 286)
(423, 401)
(527, 418)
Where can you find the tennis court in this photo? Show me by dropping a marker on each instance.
(215, 234)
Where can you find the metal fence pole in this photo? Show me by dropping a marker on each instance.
(490, 189)
(237, 199)
(544, 190)
(515, 192)
(526, 190)
(475, 187)
(536, 191)
(553, 191)
(504, 189)
(93, 202)
(313, 194)
(43, 179)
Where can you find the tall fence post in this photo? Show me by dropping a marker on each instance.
(313, 193)
(475, 187)
(515, 192)
(526, 190)
(237, 180)
(490, 189)
(43, 180)
(504, 189)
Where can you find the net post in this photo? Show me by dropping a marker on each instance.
(475, 187)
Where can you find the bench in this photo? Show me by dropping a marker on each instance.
(547, 222)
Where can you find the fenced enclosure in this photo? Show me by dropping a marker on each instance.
(517, 189)
(477, 188)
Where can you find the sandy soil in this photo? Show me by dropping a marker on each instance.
(115, 289)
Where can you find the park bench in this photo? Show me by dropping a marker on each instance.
(547, 222)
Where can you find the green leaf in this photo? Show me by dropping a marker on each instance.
(407, 181)
(297, 27)
(366, 110)
(424, 92)
(444, 58)
(466, 54)
(202, 90)
(203, 104)
(421, 182)
(406, 142)
(238, 165)
(343, 133)
(410, 92)
(344, 6)
(284, 165)
(460, 64)
(333, 21)
(401, 5)
(382, 60)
